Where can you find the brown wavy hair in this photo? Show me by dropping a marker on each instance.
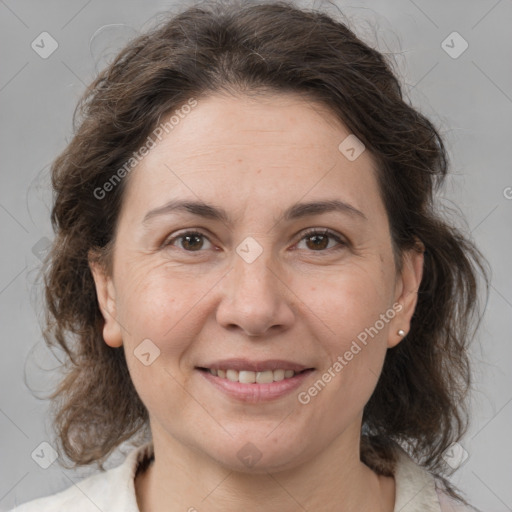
(259, 48)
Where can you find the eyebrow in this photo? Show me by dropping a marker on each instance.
(296, 211)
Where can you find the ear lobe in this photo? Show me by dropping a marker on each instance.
(409, 282)
(105, 291)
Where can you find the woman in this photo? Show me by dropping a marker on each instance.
(250, 278)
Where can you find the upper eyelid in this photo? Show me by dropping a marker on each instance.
(322, 231)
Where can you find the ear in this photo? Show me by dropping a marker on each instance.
(106, 294)
(407, 286)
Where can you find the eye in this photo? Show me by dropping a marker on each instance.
(191, 241)
(318, 239)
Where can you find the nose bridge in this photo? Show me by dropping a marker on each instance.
(254, 299)
(253, 268)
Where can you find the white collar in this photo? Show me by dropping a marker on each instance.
(114, 489)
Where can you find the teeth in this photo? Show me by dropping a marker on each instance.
(264, 377)
(249, 377)
(278, 375)
(246, 377)
(232, 375)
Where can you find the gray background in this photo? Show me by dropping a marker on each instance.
(469, 98)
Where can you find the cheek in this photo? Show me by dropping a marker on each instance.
(352, 321)
(155, 304)
(347, 302)
(161, 320)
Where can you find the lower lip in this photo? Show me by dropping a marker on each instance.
(256, 392)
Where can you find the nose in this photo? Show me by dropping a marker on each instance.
(255, 297)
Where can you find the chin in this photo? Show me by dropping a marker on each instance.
(259, 454)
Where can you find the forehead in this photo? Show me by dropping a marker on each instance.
(223, 121)
(253, 149)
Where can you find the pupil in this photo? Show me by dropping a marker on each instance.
(187, 241)
(317, 238)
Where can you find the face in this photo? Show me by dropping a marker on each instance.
(254, 285)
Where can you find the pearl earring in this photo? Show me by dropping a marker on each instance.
(401, 332)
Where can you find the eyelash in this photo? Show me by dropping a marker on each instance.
(308, 234)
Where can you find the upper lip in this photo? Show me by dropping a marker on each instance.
(255, 366)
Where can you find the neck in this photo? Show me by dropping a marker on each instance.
(335, 480)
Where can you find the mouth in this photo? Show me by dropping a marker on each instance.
(255, 381)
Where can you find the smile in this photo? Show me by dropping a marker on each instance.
(255, 386)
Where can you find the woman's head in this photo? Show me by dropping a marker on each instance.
(252, 286)
(234, 109)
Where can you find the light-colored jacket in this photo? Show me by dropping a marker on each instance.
(114, 491)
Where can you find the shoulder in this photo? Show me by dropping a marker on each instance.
(111, 490)
(448, 504)
(417, 490)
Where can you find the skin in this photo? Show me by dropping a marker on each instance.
(255, 157)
